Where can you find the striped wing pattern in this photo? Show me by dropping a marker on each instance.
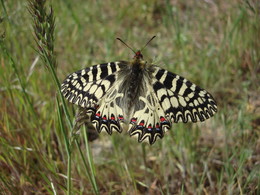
(85, 87)
(149, 121)
(166, 98)
(109, 115)
(169, 99)
(93, 89)
(182, 100)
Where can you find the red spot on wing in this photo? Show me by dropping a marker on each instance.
(120, 117)
(162, 119)
(98, 114)
(133, 120)
(141, 124)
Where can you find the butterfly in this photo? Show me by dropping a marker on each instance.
(138, 96)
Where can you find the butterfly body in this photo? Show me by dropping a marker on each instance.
(137, 95)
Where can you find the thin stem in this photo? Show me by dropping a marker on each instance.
(44, 36)
(13, 64)
(90, 161)
(67, 146)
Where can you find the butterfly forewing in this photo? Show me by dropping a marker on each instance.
(181, 100)
(86, 87)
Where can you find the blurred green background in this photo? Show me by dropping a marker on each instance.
(215, 44)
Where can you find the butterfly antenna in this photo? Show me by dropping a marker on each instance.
(125, 44)
(148, 42)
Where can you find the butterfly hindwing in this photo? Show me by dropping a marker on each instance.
(182, 100)
(109, 115)
(148, 121)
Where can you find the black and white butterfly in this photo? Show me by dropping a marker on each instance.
(140, 97)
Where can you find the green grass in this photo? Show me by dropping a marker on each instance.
(215, 44)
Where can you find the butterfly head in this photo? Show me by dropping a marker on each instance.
(138, 55)
(138, 60)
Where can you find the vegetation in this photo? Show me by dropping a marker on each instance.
(215, 44)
